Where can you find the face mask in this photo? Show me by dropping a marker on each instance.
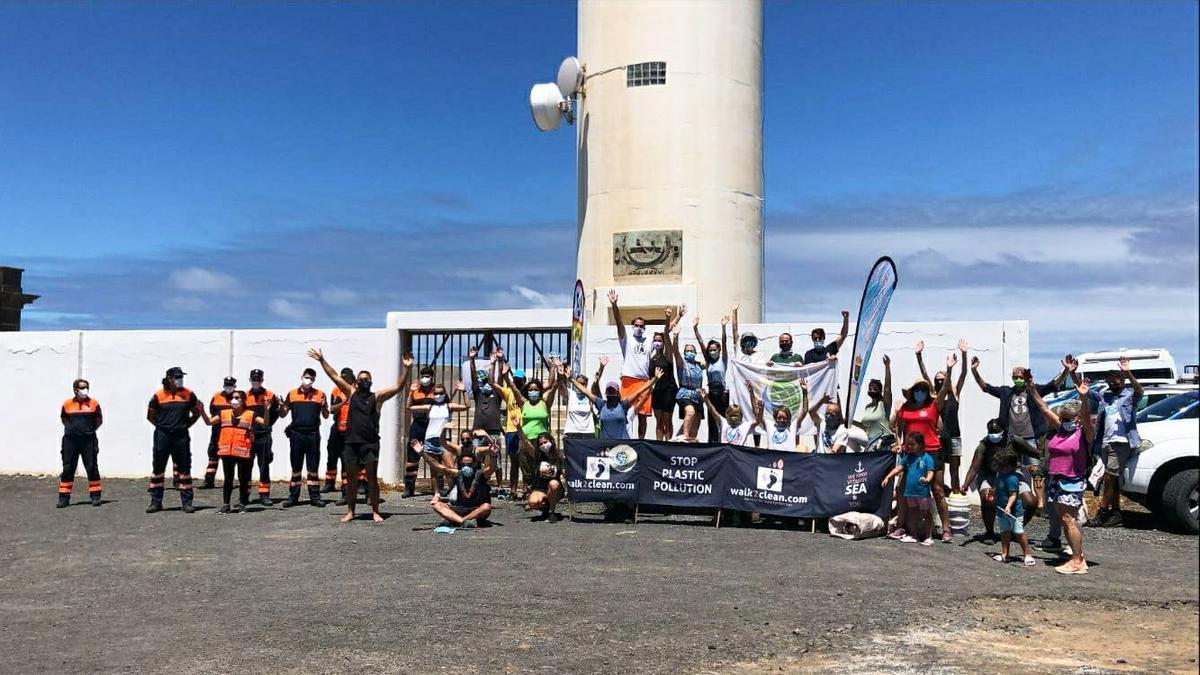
(426, 381)
(735, 420)
(749, 346)
(785, 347)
(690, 357)
(1018, 383)
(1068, 427)
(920, 396)
(467, 473)
(996, 437)
(657, 344)
(937, 384)
(781, 425)
(236, 402)
(227, 390)
(486, 390)
(179, 382)
(535, 396)
(547, 447)
(638, 332)
(478, 442)
(833, 421)
(874, 394)
(818, 344)
(364, 385)
(714, 354)
(612, 399)
(83, 393)
(440, 398)
(256, 386)
(306, 382)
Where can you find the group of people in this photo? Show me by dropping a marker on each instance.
(1033, 456)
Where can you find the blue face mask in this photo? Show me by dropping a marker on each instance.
(486, 390)
(467, 473)
(690, 357)
(1068, 427)
(920, 396)
(995, 438)
(534, 396)
(818, 344)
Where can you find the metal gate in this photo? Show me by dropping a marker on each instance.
(446, 351)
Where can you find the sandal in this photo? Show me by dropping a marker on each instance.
(999, 558)
(1030, 561)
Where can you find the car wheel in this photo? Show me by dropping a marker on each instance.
(1181, 500)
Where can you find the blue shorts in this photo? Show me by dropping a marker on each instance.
(1006, 524)
(433, 446)
(512, 442)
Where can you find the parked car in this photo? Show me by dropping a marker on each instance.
(1149, 366)
(1164, 475)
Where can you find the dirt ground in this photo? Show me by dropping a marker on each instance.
(112, 589)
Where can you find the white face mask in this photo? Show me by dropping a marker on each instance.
(179, 382)
(83, 393)
(426, 381)
(546, 447)
(306, 382)
(638, 332)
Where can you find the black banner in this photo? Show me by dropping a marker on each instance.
(705, 475)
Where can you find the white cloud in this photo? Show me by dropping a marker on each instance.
(517, 297)
(201, 280)
(339, 296)
(182, 303)
(287, 309)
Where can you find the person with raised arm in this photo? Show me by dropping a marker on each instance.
(1119, 438)
(691, 380)
(951, 432)
(716, 367)
(747, 342)
(735, 427)
(362, 435)
(662, 398)
(822, 350)
(1066, 467)
(613, 410)
(635, 360)
(438, 412)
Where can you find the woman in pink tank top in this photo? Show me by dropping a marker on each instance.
(1066, 465)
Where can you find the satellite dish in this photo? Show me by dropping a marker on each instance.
(546, 104)
(570, 77)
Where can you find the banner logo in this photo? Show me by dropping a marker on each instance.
(623, 457)
(770, 477)
(598, 468)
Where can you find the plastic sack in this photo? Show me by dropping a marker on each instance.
(855, 525)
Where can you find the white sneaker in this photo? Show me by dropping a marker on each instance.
(927, 542)
(908, 539)
(1067, 551)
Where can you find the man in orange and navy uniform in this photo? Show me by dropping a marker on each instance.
(219, 403)
(307, 405)
(81, 417)
(173, 410)
(337, 432)
(265, 404)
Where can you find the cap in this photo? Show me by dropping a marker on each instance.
(175, 371)
(613, 386)
(749, 336)
(230, 382)
(519, 373)
(256, 374)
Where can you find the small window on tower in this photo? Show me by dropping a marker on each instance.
(645, 74)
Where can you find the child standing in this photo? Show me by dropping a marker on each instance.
(917, 466)
(1009, 506)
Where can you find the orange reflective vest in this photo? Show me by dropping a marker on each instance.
(235, 440)
(343, 413)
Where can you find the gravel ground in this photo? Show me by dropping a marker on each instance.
(291, 590)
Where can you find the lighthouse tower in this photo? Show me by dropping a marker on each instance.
(669, 139)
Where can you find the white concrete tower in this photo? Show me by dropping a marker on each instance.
(669, 139)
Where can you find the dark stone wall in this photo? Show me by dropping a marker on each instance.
(12, 298)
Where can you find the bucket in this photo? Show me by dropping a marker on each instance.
(960, 513)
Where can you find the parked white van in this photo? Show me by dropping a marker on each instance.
(1149, 366)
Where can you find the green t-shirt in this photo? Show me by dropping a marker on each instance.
(787, 359)
(536, 419)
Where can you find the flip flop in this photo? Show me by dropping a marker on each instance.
(1030, 561)
(999, 558)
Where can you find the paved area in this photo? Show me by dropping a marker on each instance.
(112, 589)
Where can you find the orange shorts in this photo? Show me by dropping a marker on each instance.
(630, 387)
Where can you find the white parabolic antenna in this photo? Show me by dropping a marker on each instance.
(545, 102)
(570, 77)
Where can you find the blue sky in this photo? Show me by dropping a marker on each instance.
(263, 164)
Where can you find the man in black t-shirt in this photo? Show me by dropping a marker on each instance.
(821, 349)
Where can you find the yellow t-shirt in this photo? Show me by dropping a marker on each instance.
(514, 418)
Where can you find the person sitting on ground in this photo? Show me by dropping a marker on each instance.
(981, 476)
(1008, 504)
(546, 463)
(1066, 468)
(612, 409)
(482, 445)
(822, 350)
(917, 466)
(691, 379)
(469, 503)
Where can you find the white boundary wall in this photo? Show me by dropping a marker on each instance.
(126, 367)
